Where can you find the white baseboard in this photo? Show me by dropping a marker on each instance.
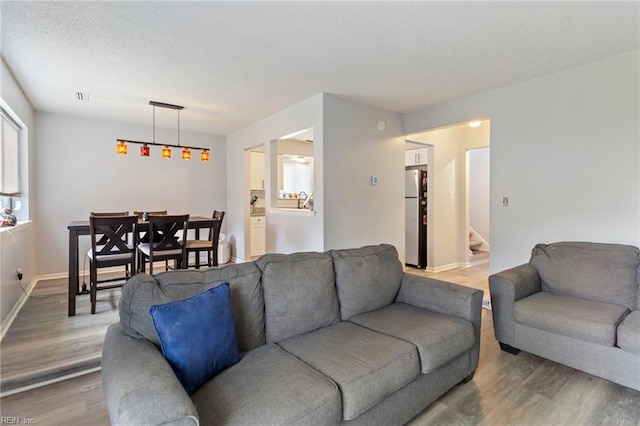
(4, 327)
(443, 268)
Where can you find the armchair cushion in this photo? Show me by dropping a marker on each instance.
(570, 316)
(599, 272)
(197, 335)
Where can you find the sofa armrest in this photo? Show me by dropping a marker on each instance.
(440, 296)
(446, 298)
(506, 288)
(139, 385)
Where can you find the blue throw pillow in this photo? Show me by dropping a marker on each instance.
(197, 335)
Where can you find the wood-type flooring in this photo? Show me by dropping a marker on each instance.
(43, 343)
(523, 390)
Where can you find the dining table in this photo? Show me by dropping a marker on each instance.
(78, 228)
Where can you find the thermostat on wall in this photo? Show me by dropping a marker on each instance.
(374, 180)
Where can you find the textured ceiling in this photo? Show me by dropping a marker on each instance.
(233, 63)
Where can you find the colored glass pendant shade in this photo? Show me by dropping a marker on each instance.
(186, 154)
(145, 150)
(166, 152)
(121, 148)
(204, 155)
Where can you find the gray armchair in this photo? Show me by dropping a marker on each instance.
(576, 303)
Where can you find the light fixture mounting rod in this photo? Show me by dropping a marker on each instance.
(163, 144)
(165, 105)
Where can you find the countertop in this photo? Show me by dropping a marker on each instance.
(257, 211)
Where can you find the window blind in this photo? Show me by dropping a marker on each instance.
(9, 173)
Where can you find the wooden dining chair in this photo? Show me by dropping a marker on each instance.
(167, 234)
(108, 214)
(109, 247)
(103, 238)
(145, 238)
(210, 245)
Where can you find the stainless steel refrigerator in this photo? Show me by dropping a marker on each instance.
(416, 218)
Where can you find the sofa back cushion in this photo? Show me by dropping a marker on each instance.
(367, 278)
(299, 294)
(593, 271)
(143, 291)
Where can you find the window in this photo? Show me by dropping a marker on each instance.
(294, 170)
(9, 172)
(297, 174)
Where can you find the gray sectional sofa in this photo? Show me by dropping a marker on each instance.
(326, 338)
(576, 303)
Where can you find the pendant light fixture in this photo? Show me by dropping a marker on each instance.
(121, 148)
(145, 149)
(166, 152)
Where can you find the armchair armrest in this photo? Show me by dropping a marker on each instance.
(139, 385)
(446, 298)
(506, 288)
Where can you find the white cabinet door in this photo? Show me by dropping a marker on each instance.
(257, 236)
(415, 157)
(256, 163)
(410, 157)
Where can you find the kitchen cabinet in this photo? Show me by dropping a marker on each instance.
(257, 234)
(256, 171)
(416, 157)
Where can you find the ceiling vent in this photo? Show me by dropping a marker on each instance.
(82, 96)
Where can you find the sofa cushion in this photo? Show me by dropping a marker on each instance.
(629, 333)
(299, 293)
(570, 316)
(600, 272)
(438, 337)
(366, 365)
(367, 278)
(142, 291)
(268, 386)
(197, 335)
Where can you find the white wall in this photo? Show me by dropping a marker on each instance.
(78, 171)
(479, 169)
(358, 213)
(17, 246)
(347, 149)
(284, 233)
(565, 151)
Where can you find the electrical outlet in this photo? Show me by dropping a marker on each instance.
(19, 274)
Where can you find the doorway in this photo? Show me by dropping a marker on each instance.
(449, 199)
(478, 162)
(255, 239)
